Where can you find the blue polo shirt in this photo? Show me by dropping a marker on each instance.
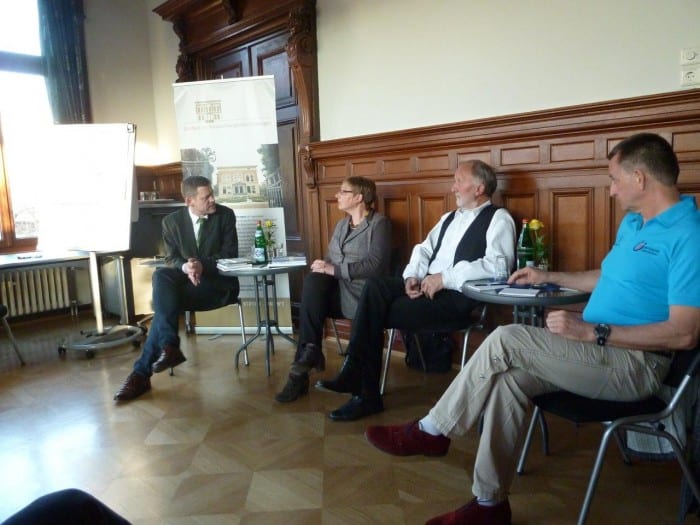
(651, 266)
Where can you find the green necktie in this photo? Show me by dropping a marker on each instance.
(200, 231)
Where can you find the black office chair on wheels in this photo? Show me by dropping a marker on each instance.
(3, 314)
(645, 416)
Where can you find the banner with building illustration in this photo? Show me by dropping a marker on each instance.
(228, 134)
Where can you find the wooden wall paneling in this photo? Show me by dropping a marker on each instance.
(521, 205)
(397, 209)
(330, 214)
(368, 169)
(333, 171)
(392, 168)
(438, 162)
(571, 231)
(315, 246)
(484, 155)
(430, 207)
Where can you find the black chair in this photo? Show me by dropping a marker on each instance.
(645, 416)
(3, 314)
(477, 322)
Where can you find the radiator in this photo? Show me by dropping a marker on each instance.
(35, 290)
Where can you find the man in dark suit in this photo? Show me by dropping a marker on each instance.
(195, 237)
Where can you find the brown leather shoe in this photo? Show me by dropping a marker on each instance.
(169, 358)
(133, 387)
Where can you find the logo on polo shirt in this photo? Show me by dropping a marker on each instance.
(642, 247)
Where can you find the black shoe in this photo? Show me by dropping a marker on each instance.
(346, 382)
(357, 408)
(134, 386)
(308, 358)
(169, 358)
(297, 385)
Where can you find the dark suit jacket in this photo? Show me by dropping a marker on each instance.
(219, 241)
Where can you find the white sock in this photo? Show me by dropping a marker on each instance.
(426, 425)
(488, 502)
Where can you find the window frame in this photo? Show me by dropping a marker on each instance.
(26, 64)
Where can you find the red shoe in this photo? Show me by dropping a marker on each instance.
(474, 514)
(407, 440)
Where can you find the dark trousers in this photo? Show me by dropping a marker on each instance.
(66, 507)
(173, 293)
(320, 299)
(384, 304)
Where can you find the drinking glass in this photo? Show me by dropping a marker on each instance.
(500, 271)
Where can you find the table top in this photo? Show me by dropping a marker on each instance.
(563, 296)
(263, 269)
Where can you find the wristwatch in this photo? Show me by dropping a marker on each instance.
(602, 332)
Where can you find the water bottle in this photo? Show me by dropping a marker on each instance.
(526, 249)
(260, 246)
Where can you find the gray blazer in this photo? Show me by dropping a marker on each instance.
(358, 254)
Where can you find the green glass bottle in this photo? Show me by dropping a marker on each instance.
(525, 249)
(260, 246)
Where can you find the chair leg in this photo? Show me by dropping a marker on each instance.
(13, 341)
(544, 429)
(620, 440)
(189, 326)
(528, 440)
(478, 325)
(420, 354)
(465, 346)
(341, 351)
(595, 474)
(387, 359)
(239, 303)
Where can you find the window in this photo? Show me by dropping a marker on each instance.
(24, 107)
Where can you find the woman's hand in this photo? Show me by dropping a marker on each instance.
(321, 266)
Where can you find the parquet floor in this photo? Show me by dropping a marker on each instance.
(210, 445)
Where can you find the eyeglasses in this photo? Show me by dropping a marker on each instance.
(345, 191)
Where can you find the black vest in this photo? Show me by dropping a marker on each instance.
(473, 243)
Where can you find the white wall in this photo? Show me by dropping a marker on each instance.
(396, 64)
(119, 70)
(387, 65)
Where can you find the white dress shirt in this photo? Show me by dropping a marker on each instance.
(500, 240)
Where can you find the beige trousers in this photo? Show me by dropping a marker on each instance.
(517, 362)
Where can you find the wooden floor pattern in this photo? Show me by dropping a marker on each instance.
(210, 445)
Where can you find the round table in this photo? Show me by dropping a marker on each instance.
(264, 277)
(526, 308)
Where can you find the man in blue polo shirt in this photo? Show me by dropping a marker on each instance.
(645, 303)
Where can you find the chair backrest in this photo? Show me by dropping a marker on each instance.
(685, 362)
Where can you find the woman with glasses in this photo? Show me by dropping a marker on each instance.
(360, 248)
